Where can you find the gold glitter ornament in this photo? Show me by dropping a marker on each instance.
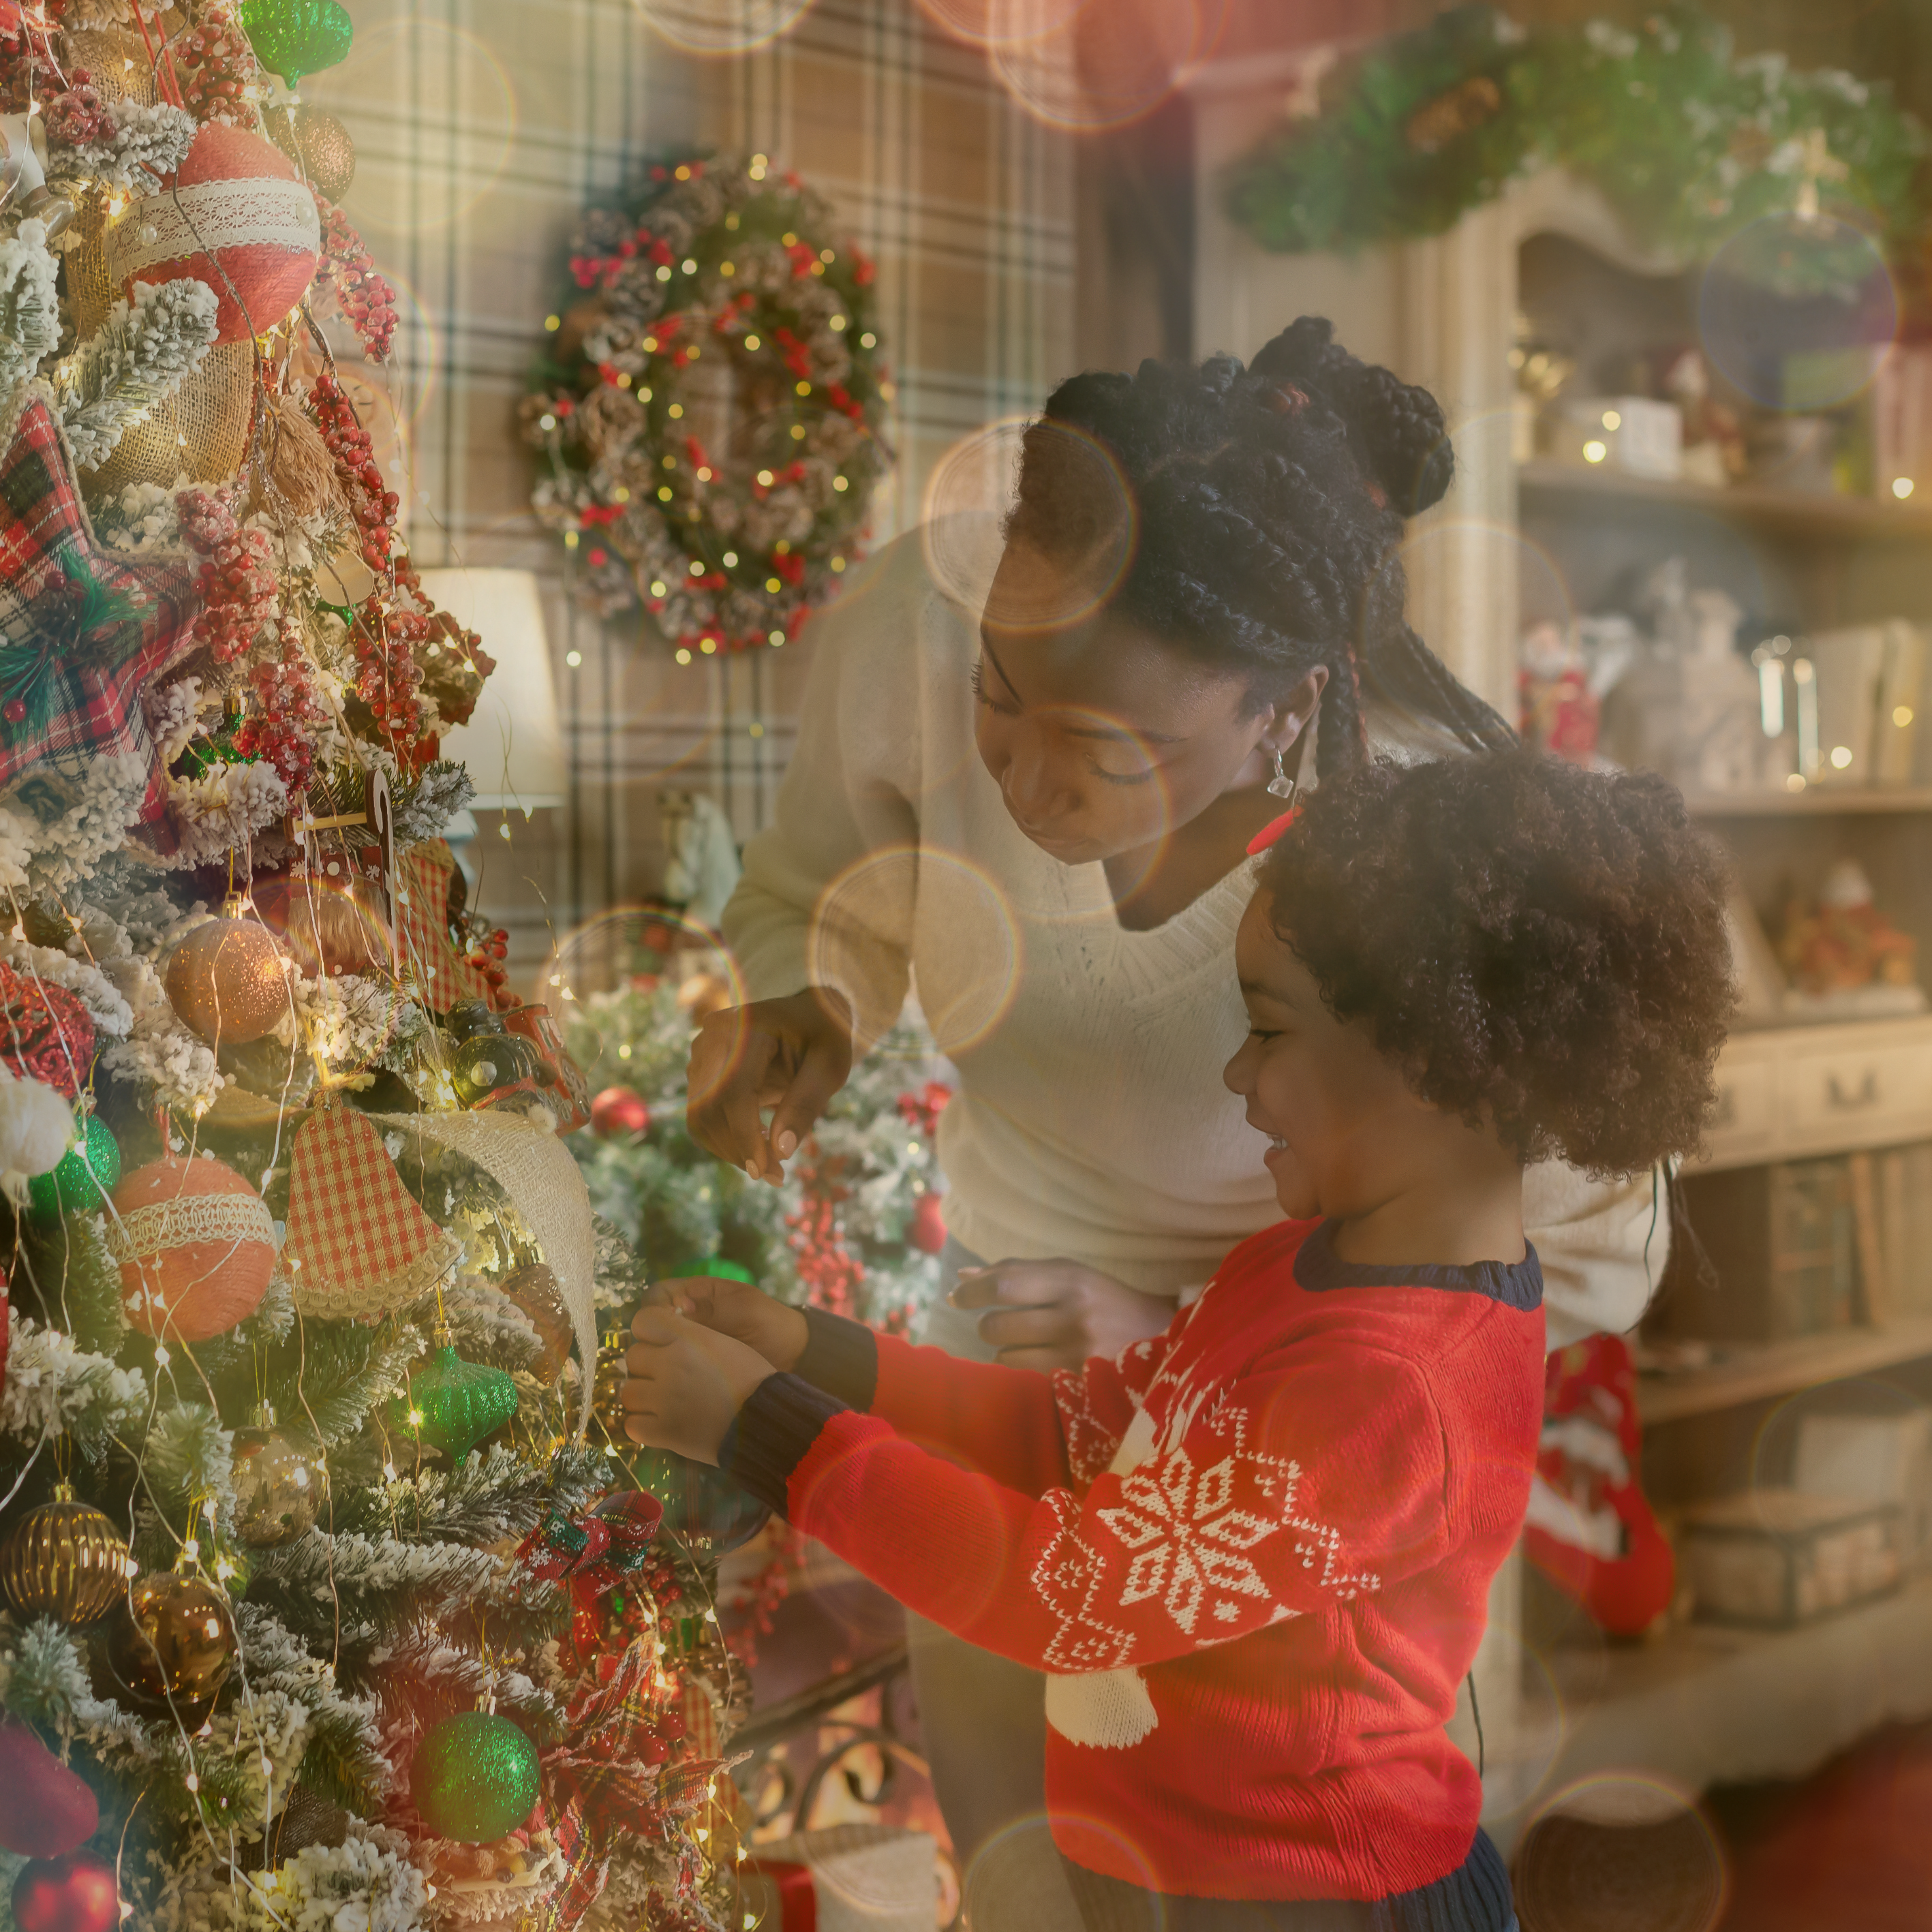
(280, 1486)
(171, 1643)
(65, 1561)
(226, 982)
(319, 145)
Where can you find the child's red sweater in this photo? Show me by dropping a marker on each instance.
(1253, 1555)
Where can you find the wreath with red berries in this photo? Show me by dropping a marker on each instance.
(709, 418)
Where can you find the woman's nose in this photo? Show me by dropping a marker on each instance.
(1033, 794)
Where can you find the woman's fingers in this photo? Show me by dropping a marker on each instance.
(1004, 1328)
(821, 1071)
(730, 1059)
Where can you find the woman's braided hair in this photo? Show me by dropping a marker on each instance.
(1270, 501)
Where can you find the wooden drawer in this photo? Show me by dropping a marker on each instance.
(1745, 1125)
(1848, 1095)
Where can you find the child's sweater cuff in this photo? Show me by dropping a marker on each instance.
(840, 1356)
(768, 1438)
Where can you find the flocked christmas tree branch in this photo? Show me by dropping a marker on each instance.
(136, 359)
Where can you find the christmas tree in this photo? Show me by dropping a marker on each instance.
(331, 1599)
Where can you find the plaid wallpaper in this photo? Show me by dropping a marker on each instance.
(481, 127)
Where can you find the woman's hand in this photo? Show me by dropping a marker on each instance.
(791, 1055)
(736, 1308)
(685, 1383)
(1055, 1314)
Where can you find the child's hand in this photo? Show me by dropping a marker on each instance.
(736, 1308)
(685, 1383)
(1055, 1314)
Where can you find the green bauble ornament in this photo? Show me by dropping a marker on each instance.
(294, 37)
(452, 1404)
(701, 1507)
(81, 1180)
(474, 1777)
(712, 1264)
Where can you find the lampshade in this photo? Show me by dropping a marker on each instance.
(513, 744)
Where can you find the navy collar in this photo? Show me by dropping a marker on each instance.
(1515, 1284)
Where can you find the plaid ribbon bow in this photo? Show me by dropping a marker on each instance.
(609, 1776)
(592, 1553)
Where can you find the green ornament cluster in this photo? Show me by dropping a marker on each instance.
(1688, 142)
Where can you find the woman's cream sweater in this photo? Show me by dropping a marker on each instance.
(1090, 1121)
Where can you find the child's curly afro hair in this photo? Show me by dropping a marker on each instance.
(1542, 950)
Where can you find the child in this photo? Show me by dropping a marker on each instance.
(1253, 1554)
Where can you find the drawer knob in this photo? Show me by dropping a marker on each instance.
(1866, 1097)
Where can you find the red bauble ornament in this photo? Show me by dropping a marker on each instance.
(46, 1033)
(928, 1231)
(226, 982)
(75, 1894)
(50, 1811)
(237, 197)
(620, 1110)
(196, 1245)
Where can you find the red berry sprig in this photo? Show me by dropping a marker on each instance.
(287, 713)
(367, 302)
(214, 67)
(237, 579)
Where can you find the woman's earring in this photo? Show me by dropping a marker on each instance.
(1281, 785)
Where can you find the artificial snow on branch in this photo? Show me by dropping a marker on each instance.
(222, 809)
(29, 310)
(52, 1386)
(135, 359)
(148, 141)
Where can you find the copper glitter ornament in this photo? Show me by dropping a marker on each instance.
(279, 1485)
(535, 1291)
(65, 1561)
(226, 982)
(327, 154)
(171, 1642)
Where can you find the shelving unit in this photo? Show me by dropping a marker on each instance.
(1757, 1372)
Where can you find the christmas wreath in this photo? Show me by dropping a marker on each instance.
(1688, 142)
(709, 416)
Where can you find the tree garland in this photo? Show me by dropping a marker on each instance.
(1687, 142)
(710, 419)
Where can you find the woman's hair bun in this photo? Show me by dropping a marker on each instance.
(1395, 428)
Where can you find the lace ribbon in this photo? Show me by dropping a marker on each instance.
(227, 1219)
(213, 214)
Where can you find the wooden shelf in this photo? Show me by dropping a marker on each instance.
(1789, 512)
(1709, 1705)
(1817, 801)
(1753, 1371)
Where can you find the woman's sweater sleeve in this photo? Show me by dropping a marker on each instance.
(1297, 1487)
(1602, 1245)
(826, 897)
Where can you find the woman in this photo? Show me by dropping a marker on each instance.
(1040, 810)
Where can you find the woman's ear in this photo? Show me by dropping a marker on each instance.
(1290, 717)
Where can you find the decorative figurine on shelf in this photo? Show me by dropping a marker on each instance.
(701, 865)
(1846, 954)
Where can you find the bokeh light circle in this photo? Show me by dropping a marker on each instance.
(722, 27)
(1108, 66)
(420, 74)
(969, 494)
(1622, 1848)
(1797, 314)
(905, 898)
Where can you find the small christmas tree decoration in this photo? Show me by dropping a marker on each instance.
(49, 1810)
(474, 1776)
(77, 1893)
(358, 1245)
(196, 1245)
(81, 1180)
(65, 1560)
(171, 1645)
(296, 38)
(452, 1405)
(236, 217)
(46, 1033)
(227, 983)
(536, 1291)
(620, 1110)
(280, 1486)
